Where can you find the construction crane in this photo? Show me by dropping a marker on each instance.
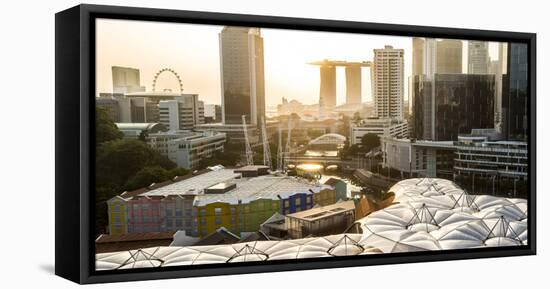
(280, 151)
(287, 147)
(248, 149)
(267, 151)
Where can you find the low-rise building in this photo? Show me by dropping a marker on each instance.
(340, 186)
(188, 203)
(187, 148)
(475, 161)
(136, 130)
(321, 221)
(379, 126)
(234, 132)
(184, 112)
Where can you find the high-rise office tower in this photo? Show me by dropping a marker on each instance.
(126, 80)
(387, 82)
(515, 93)
(478, 57)
(242, 74)
(431, 56)
(418, 55)
(497, 68)
(353, 84)
(452, 104)
(448, 56)
(182, 113)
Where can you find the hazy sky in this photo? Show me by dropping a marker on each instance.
(193, 51)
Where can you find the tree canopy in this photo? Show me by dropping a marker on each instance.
(105, 129)
(370, 141)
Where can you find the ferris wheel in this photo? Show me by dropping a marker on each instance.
(171, 71)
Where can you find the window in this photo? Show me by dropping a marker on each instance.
(179, 223)
(218, 211)
(169, 212)
(116, 208)
(178, 213)
(117, 219)
(298, 201)
(233, 211)
(286, 203)
(203, 221)
(218, 221)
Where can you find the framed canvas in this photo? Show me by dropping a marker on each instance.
(197, 143)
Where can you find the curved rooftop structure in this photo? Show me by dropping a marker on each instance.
(329, 138)
(150, 127)
(429, 214)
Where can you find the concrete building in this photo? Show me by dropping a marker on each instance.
(182, 113)
(321, 221)
(478, 156)
(379, 126)
(448, 56)
(212, 113)
(327, 90)
(233, 132)
(353, 85)
(431, 56)
(126, 80)
(186, 148)
(110, 105)
(128, 109)
(478, 57)
(242, 74)
(388, 82)
(477, 161)
(135, 130)
(418, 158)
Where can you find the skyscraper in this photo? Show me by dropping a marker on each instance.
(353, 84)
(515, 93)
(126, 80)
(327, 92)
(448, 56)
(452, 104)
(478, 57)
(387, 82)
(242, 74)
(431, 56)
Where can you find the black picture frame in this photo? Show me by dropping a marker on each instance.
(75, 131)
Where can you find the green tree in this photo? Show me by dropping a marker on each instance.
(119, 160)
(146, 177)
(370, 141)
(105, 128)
(177, 172)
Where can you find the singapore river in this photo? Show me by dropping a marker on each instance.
(324, 174)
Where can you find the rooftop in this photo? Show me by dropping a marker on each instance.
(324, 212)
(432, 215)
(247, 189)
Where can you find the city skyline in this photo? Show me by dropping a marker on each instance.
(198, 63)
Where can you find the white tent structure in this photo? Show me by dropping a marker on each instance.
(429, 214)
